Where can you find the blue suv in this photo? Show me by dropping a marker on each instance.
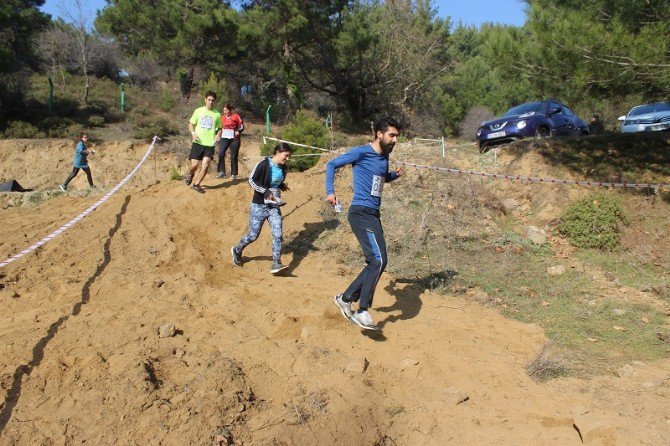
(541, 119)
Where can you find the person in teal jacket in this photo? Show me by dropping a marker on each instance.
(80, 162)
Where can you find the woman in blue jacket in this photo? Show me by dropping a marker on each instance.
(267, 181)
(80, 162)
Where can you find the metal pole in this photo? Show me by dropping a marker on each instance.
(51, 95)
(442, 139)
(267, 120)
(123, 97)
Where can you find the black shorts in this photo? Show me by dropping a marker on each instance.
(198, 152)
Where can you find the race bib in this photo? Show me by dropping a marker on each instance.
(206, 122)
(228, 134)
(377, 186)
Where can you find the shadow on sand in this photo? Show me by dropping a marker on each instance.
(14, 393)
(408, 299)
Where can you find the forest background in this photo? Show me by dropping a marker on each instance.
(355, 59)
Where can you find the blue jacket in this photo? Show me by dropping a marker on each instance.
(80, 156)
(370, 174)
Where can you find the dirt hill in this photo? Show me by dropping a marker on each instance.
(258, 359)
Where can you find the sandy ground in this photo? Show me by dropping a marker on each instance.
(257, 359)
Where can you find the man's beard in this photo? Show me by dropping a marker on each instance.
(387, 148)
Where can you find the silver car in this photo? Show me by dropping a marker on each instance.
(647, 118)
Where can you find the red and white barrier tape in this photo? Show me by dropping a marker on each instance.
(537, 180)
(265, 138)
(94, 206)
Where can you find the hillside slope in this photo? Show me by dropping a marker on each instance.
(259, 359)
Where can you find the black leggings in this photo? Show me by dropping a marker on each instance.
(234, 145)
(75, 171)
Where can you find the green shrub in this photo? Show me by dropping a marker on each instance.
(174, 173)
(22, 129)
(96, 121)
(58, 127)
(146, 128)
(166, 100)
(594, 221)
(114, 115)
(303, 129)
(217, 86)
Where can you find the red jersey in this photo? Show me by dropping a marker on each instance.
(233, 122)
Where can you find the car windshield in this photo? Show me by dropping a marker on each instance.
(649, 108)
(525, 108)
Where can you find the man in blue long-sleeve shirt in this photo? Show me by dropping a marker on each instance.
(371, 164)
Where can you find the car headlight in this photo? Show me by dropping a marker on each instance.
(479, 132)
(521, 124)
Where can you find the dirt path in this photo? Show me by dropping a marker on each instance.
(259, 359)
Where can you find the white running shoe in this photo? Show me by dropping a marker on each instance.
(276, 267)
(345, 307)
(364, 320)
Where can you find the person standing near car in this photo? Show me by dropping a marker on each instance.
(80, 162)
(268, 182)
(232, 127)
(596, 126)
(204, 125)
(371, 170)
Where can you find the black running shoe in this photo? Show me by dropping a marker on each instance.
(188, 180)
(197, 188)
(237, 256)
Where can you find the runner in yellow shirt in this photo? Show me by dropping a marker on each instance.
(205, 130)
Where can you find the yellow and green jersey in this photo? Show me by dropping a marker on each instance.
(206, 123)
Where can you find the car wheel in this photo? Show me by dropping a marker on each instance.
(482, 146)
(543, 132)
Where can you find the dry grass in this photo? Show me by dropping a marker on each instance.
(449, 233)
(547, 364)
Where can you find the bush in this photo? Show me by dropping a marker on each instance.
(174, 173)
(21, 129)
(146, 128)
(58, 127)
(594, 221)
(96, 121)
(217, 86)
(14, 88)
(166, 100)
(303, 129)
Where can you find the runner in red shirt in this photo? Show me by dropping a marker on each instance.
(232, 126)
